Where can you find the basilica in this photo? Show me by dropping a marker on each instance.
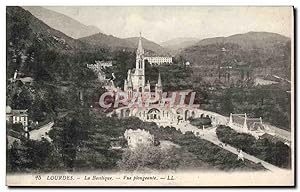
(135, 86)
(159, 111)
(135, 82)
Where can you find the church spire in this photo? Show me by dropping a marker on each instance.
(140, 49)
(159, 81)
(158, 86)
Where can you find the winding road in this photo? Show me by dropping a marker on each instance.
(40, 133)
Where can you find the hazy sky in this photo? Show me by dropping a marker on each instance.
(165, 23)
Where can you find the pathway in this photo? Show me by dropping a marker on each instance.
(40, 133)
(281, 133)
(210, 135)
(281, 78)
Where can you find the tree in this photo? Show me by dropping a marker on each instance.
(83, 140)
(149, 157)
(200, 122)
(124, 60)
(18, 127)
(227, 105)
(69, 135)
(276, 153)
(23, 99)
(31, 155)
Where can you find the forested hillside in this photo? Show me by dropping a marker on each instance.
(113, 43)
(54, 61)
(263, 52)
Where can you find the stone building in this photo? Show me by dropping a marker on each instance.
(104, 64)
(15, 116)
(135, 82)
(98, 67)
(244, 124)
(159, 109)
(159, 60)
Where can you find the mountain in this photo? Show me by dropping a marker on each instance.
(112, 42)
(179, 43)
(22, 25)
(148, 45)
(265, 52)
(250, 40)
(107, 41)
(37, 50)
(89, 34)
(61, 22)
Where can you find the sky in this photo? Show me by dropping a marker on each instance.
(160, 24)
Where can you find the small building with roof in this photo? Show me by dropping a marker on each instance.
(15, 116)
(245, 124)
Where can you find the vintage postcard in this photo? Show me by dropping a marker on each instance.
(150, 96)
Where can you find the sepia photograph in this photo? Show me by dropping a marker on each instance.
(151, 96)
